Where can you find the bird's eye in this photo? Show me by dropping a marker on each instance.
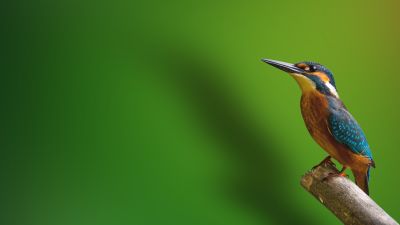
(312, 68)
(306, 67)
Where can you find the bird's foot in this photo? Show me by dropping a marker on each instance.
(339, 174)
(327, 160)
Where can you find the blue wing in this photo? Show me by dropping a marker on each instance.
(346, 130)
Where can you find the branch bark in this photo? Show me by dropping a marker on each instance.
(341, 196)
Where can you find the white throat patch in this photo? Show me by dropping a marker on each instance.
(332, 89)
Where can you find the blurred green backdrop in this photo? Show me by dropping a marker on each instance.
(161, 112)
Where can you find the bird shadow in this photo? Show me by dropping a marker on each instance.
(259, 183)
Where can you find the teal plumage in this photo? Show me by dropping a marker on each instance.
(346, 130)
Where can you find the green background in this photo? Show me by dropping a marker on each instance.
(161, 112)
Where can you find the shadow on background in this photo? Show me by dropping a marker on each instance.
(260, 183)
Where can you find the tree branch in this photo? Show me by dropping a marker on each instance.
(341, 196)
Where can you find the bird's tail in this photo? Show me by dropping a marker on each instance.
(362, 178)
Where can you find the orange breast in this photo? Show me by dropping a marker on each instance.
(314, 109)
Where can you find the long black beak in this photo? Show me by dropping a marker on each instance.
(287, 67)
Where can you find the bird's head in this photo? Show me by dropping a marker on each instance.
(309, 75)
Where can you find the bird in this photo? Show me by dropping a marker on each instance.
(328, 120)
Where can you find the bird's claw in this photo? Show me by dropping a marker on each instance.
(329, 162)
(326, 161)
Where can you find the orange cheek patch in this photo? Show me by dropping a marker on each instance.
(322, 76)
(301, 65)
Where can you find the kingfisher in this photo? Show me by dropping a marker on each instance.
(328, 121)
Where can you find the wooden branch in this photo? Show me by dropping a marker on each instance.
(341, 196)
